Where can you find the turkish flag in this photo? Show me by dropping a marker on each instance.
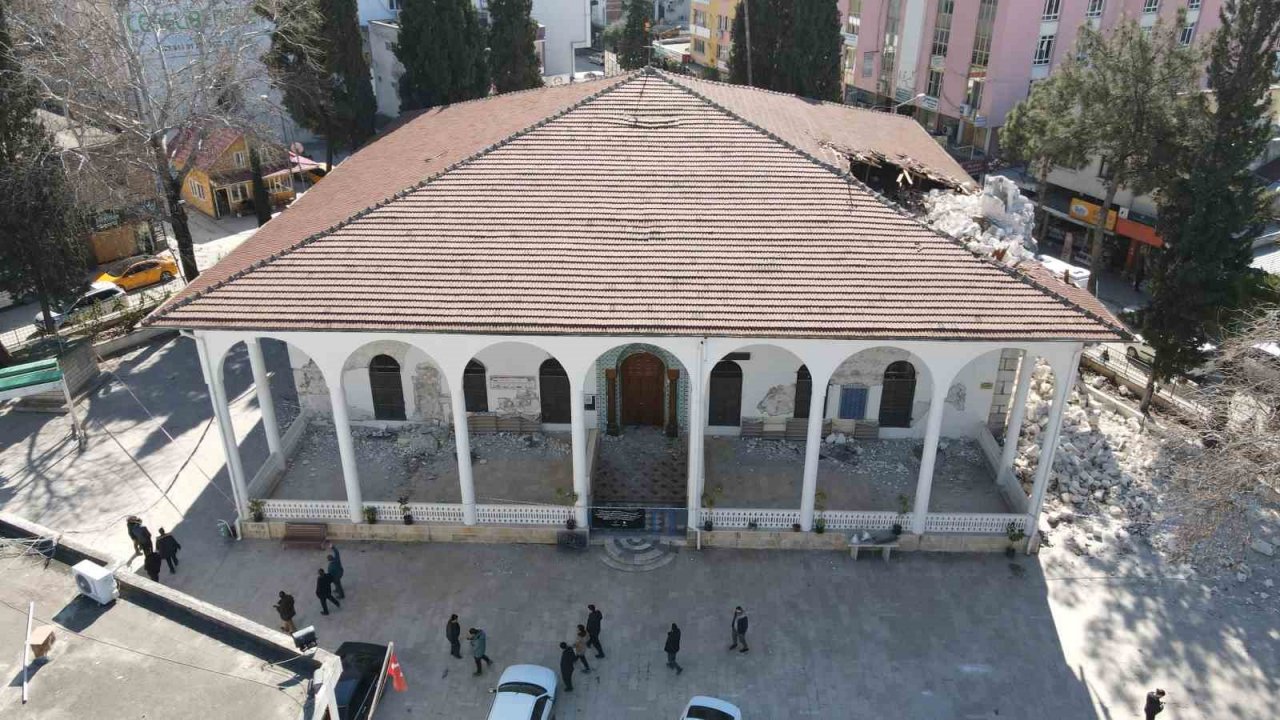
(397, 675)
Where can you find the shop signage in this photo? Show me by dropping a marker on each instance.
(617, 518)
(1087, 212)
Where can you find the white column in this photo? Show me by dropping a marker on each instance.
(1063, 379)
(578, 430)
(933, 428)
(1013, 428)
(696, 429)
(265, 404)
(812, 446)
(346, 448)
(222, 412)
(461, 434)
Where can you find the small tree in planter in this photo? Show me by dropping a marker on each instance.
(371, 515)
(1016, 535)
(709, 498)
(566, 496)
(257, 510)
(904, 507)
(405, 512)
(820, 504)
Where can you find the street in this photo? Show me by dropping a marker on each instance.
(925, 636)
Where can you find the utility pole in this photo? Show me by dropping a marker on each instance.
(746, 21)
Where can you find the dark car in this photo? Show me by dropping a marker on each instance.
(364, 677)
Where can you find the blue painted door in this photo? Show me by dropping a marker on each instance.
(853, 403)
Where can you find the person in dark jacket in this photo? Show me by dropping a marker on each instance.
(453, 631)
(479, 647)
(324, 591)
(167, 548)
(738, 625)
(151, 563)
(335, 572)
(1155, 704)
(131, 524)
(567, 658)
(580, 647)
(594, 617)
(142, 538)
(672, 647)
(287, 611)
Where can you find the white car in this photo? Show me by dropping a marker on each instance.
(525, 692)
(702, 707)
(101, 294)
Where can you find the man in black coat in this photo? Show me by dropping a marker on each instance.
(594, 617)
(1155, 704)
(739, 628)
(324, 591)
(287, 612)
(672, 647)
(167, 548)
(151, 563)
(567, 658)
(453, 631)
(141, 538)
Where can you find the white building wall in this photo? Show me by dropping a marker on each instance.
(1086, 181)
(768, 382)
(568, 24)
(370, 10)
(386, 68)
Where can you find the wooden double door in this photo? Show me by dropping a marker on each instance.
(643, 378)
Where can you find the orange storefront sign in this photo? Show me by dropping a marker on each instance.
(1087, 212)
(1137, 231)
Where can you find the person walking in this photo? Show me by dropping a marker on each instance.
(580, 647)
(478, 641)
(324, 591)
(142, 538)
(738, 625)
(567, 658)
(151, 563)
(335, 572)
(167, 548)
(1155, 704)
(672, 647)
(453, 632)
(287, 611)
(594, 617)
(131, 524)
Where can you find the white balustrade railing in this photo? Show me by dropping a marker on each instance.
(523, 514)
(306, 510)
(764, 518)
(864, 519)
(983, 523)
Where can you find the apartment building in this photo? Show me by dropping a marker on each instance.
(710, 27)
(960, 65)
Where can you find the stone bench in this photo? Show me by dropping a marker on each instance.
(886, 544)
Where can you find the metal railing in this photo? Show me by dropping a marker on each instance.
(19, 338)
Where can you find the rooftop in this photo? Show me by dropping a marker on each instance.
(646, 203)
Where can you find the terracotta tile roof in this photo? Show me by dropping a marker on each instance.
(633, 205)
(201, 147)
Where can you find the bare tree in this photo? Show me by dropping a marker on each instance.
(1218, 487)
(147, 69)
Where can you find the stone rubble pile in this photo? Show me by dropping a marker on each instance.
(1103, 465)
(997, 222)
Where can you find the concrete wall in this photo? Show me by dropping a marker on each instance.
(384, 66)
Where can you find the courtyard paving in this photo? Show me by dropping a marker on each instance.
(925, 636)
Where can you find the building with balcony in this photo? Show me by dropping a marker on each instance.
(710, 29)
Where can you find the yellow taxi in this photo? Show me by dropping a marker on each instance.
(141, 273)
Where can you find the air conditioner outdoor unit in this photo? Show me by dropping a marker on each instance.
(95, 581)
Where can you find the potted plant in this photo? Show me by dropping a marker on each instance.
(820, 504)
(257, 510)
(795, 527)
(752, 524)
(1015, 535)
(904, 507)
(709, 502)
(405, 512)
(371, 514)
(571, 523)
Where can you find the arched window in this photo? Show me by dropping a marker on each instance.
(387, 387)
(804, 392)
(553, 390)
(475, 389)
(726, 394)
(898, 395)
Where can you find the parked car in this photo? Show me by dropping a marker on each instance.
(525, 692)
(702, 707)
(144, 272)
(100, 293)
(364, 677)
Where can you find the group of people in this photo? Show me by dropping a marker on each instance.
(165, 549)
(328, 590)
(586, 636)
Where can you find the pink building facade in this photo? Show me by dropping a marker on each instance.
(961, 65)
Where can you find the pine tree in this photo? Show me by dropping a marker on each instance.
(317, 60)
(770, 24)
(442, 48)
(1043, 130)
(42, 251)
(1215, 207)
(810, 57)
(1135, 86)
(513, 62)
(634, 45)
